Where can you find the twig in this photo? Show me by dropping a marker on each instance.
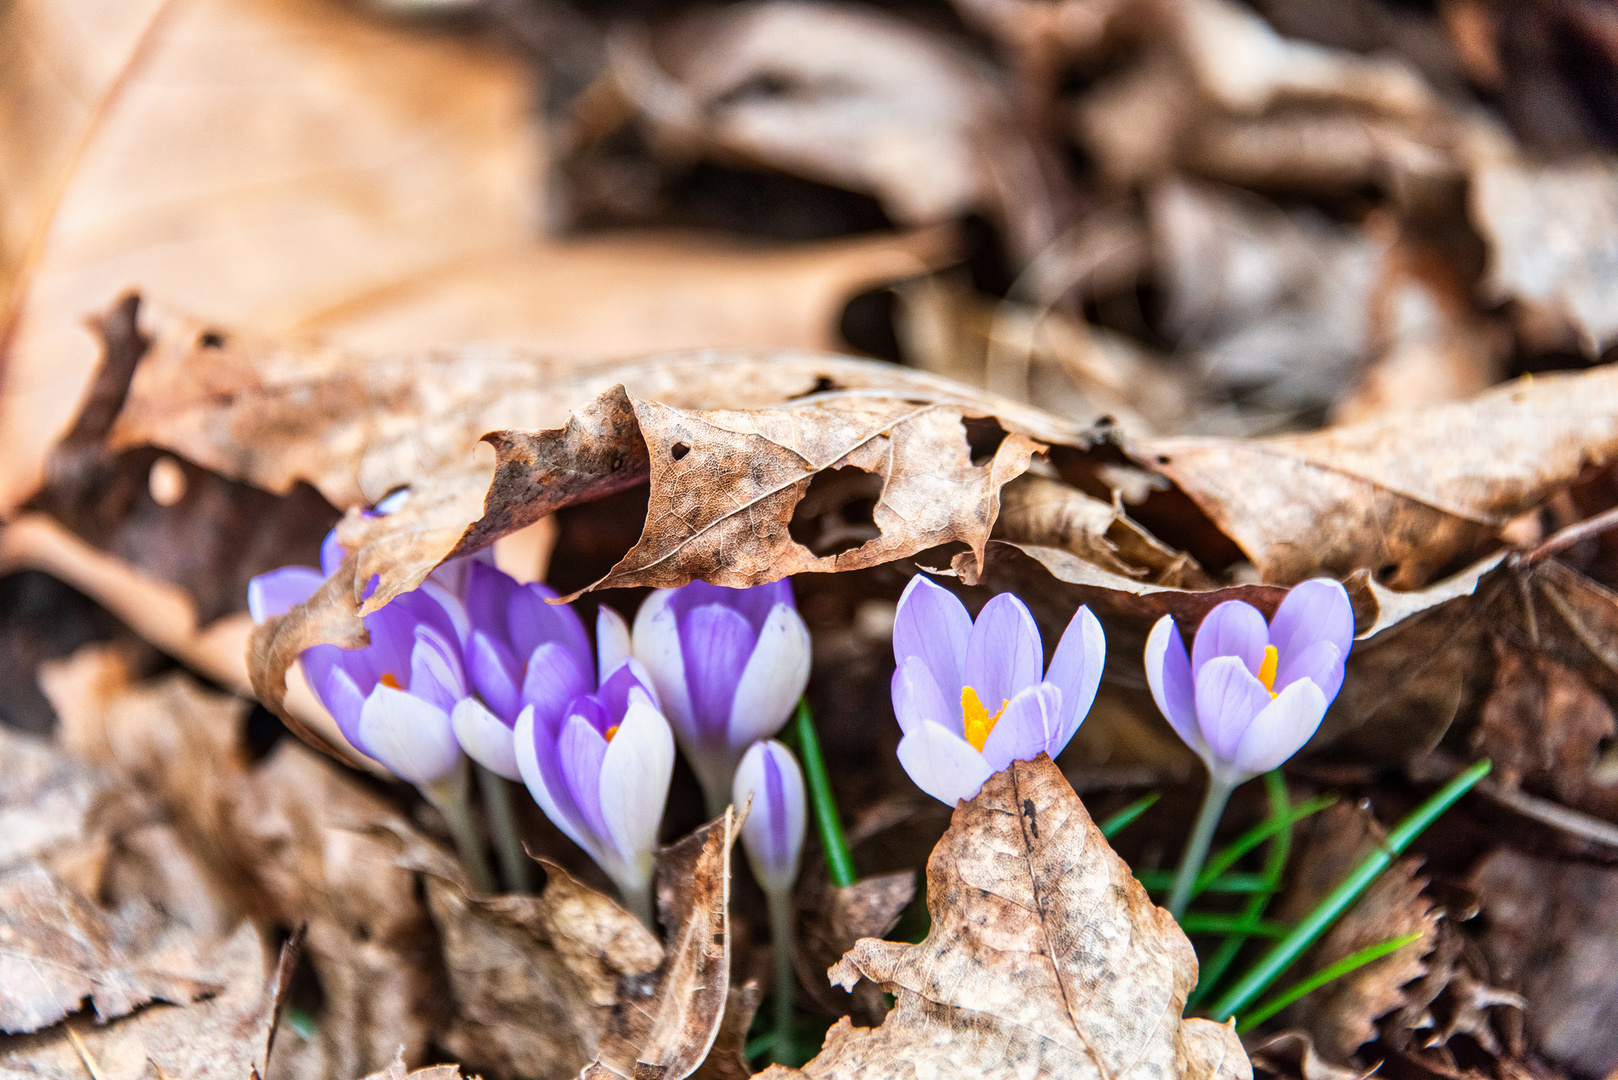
(1566, 538)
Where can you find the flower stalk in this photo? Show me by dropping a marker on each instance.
(514, 862)
(448, 795)
(1196, 849)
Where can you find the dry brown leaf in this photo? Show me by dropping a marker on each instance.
(52, 811)
(728, 1058)
(396, 1071)
(1542, 722)
(56, 949)
(1291, 1053)
(1342, 1015)
(849, 96)
(1551, 230)
(1045, 958)
(831, 919)
(664, 1023)
(1552, 934)
(220, 1038)
(534, 977)
(324, 851)
(343, 156)
(1401, 496)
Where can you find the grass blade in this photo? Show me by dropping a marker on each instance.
(1252, 838)
(839, 860)
(1269, 968)
(1119, 821)
(1325, 975)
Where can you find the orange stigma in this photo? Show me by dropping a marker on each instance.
(978, 722)
(388, 680)
(610, 732)
(1268, 667)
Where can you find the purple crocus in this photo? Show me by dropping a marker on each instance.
(600, 768)
(729, 664)
(392, 699)
(972, 697)
(1251, 693)
(523, 651)
(775, 827)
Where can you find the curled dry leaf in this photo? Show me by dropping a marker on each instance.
(664, 1023)
(831, 919)
(1045, 958)
(1403, 495)
(343, 156)
(396, 1071)
(219, 1038)
(1551, 230)
(1552, 934)
(1542, 723)
(534, 977)
(56, 949)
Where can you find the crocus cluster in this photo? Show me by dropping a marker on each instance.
(475, 663)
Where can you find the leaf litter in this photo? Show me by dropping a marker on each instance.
(1190, 301)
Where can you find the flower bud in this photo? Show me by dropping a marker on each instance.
(774, 831)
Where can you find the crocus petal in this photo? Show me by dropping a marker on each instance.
(917, 697)
(279, 591)
(656, 643)
(536, 761)
(773, 680)
(1004, 655)
(635, 784)
(942, 764)
(435, 670)
(1031, 725)
(1168, 673)
(532, 620)
(336, 689)
(1228, 697)
(331, 554)
(1317, 610)
(494, 673)
(753, 604)
(1076, 669)
(623, 684)
(612, 642)
(488, 598)
(1320, 663)
(556, 675)
(774, 831)
(717, 643)
(1281, 728)
(486, 738)
(580, 749)
(933, 625)
(412, 737)
(1234, 628)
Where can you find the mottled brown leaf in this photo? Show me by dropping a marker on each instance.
(219, 1038)
(831, 919)
(396, 1071)
(56, 950)
(1542, 721)
(1403, 495)
(1045, 958)
(1552, 934)
(533, 977)
(664, 1023)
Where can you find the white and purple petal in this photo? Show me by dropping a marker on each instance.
(1168, 673)
(1321, 663)
(1280, 729)
(1234, 628)
(917, 697)
(772, 681)
(634, 784)
(656, 643)
(1228, 697)
(1076, 669)
(612, 642)
(1030, 726)
(486, 738)
(933, 625)
(1313, 611)
(942, 764)
(412, 737)
(1004, 655)
(279, 591)
(774, 831)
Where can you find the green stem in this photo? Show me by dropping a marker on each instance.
(1315, 923)
(449, 796)
(1275, 863)
(839, 860)
(637, 897)
(514, 862)
(1196, 850)
(786, 979)
(1227, 857)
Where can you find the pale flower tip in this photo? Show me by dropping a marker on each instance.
(773, 833)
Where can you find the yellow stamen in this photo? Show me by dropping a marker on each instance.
(978, 721)
(611, 732)
(1268, 667)
(387, 679)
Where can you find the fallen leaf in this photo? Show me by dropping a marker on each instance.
(219, 1038)
(396, 1071)
(344, 156)
(56, 949)
(52, 811)
(1552, 934)
(728, 1058)
(1291, 1053)
(1404, 495)
(1542, 722)
(534, 977)
(664, 1023)
(831, 919)
(845, 95)
(1551, 230)
(1045, 957)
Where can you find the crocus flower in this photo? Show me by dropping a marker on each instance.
(392, 699)
(522, 651)
(600, 768)
(774, 831)
(729, 664)
(972, 697)
(1251, 693)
